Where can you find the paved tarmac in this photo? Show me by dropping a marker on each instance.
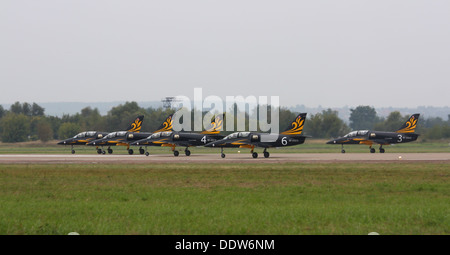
(230, 158)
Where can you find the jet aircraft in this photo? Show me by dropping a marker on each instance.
(183, 138)
(403, 135)
(124, 138)
(82, 138)
(292, 136)
(86, 137)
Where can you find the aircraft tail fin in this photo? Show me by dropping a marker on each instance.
(216, 126)
(166, 125)
(296, 127)
(136, 125)
(410, 125)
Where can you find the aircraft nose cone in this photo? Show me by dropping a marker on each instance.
(331, 142)
(62, 142)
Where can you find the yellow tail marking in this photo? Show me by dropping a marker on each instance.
(215, 127)
(411, 125)
(136, 126)
(167, 125)
(297, 127)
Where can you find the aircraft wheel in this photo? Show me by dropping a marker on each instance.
(223, 155)
(254, 155)
(187, 152)
(146, 154)
(372, 150)
(73, 151)
(266, 154)
(343, 151)
(176, 153)
(110, 151)
(141, 151)
(130, 151)
(381, 150)
(103, 152)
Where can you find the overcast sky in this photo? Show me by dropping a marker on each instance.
(329, 53)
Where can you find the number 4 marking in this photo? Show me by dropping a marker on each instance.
(203, 139)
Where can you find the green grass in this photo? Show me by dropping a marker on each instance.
(310, 146)
(402, 198)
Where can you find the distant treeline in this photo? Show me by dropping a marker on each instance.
(28, 122)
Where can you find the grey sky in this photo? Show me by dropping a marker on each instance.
(329, 53)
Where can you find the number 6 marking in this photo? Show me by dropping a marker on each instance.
(284, 141)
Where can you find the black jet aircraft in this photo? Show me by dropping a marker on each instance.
(83, 138)
(403, 135)
(125, 138)
(183, 138)
(86, 137)
(292, 136)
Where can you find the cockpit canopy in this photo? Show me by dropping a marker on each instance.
(357, 133)
(116, 134)
(86, 134)
(167, 133)
(160, 134)
(91, 133)
(237, 134)
(80, 135)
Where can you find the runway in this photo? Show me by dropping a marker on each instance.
(230, 158)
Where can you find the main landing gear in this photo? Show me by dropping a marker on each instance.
(110, 151)
(265, 152)
(372, 150)
(187, 152)
(254, 154)
(102, 151)
(141, 151)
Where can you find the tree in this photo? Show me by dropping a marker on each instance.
(44, 131)
(15, 127)
(37, 110)
(16, 108)
(363, 117)
(325, 125)
(68, 129)
(26, 109)
(120, 116)
(2, 111)
(392, 123)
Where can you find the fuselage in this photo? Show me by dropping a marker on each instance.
(254, 139)
(374, 137)
(185, 139)
(83, 138)
(119, 138)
